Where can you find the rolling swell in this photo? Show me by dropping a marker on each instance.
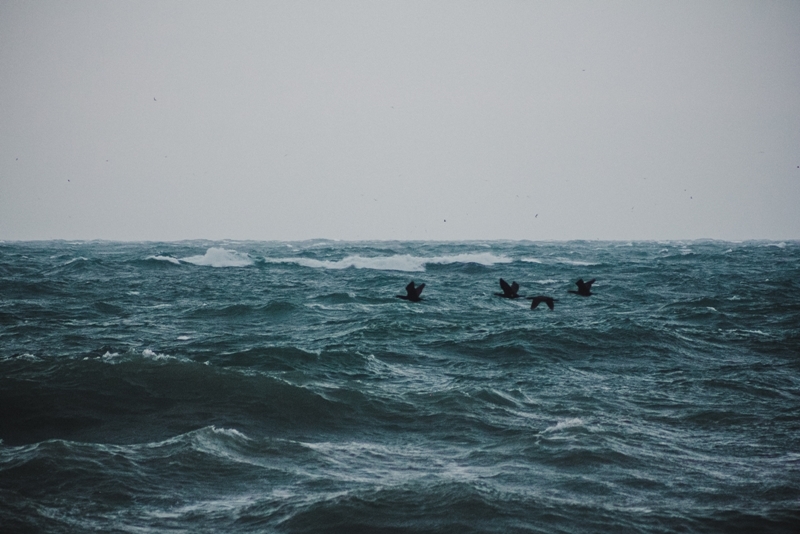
(251, 387)
(129, 398)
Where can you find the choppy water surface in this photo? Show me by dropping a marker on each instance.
(280, 387)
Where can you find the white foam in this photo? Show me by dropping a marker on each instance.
(759, 332)
(230, 432)
(575, 262)
(530, 260)
(398, 262)
(183, 338)
(566, 423)
(220, 257)
(81, 258)
(164, 258)
(147, 353)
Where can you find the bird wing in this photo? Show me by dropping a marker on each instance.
(505, 287)
(418, 290)
(589, 283)
(514, 287)
(410, 288)
(541, 298)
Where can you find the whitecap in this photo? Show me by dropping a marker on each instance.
(576, 262)
(398, 262)
(566, 423)
(147, 353)
(183, 338)
(220, 257)
(230, 432)
(483, 258)
(80, 258)
(109, 356)
(530, 260)
(759, 332)
(164, 258)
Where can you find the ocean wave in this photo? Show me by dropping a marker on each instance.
(169, 259)
(566, 423)
(562, 261)
(116, 357)
(220, 257)
(397, 262)
(578, 263)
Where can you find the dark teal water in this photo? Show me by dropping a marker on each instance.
(281, 387)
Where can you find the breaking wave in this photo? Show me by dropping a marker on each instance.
(398, 262)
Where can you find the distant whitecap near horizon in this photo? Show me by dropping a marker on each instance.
(395, 262)
(169, 259)
(220, 257)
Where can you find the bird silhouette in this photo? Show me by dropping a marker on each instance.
(509, 291)
(538, 299)
(412, 292)
(584, 288)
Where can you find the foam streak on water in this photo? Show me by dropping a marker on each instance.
(281, 387)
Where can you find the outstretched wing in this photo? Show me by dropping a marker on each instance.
(589, 283)
(541, 298)
(514, 288)
(418, 289)
(505, 287)
(410, 288)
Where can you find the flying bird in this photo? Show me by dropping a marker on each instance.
(413, 292)
(538, 299)
(509, 291)
(584, 288)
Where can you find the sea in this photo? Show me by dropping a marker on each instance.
(243, 386)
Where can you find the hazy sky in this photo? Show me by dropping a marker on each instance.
(167, 120)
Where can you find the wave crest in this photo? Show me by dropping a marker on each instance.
(397, 262)
(220, 257)
(170, 259)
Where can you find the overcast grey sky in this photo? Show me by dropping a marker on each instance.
(292, 120)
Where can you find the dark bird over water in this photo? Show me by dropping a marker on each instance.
(509, 291)
(584, 288)
(538, 299)
(413, 292)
